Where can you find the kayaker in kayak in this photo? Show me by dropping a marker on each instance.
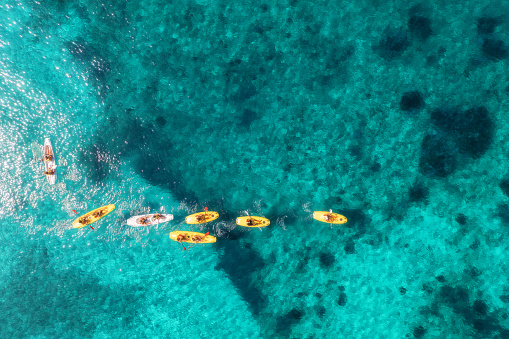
(48, 157)
(83, 220)
(143, 221)
(329, 217)
(158, 216)
(199, 238)
(98, 213)
(182, 237)
(51, 171)
(252, 222)
(201, 217)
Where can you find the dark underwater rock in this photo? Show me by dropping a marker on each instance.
(440, 278)
(320, 310)
(420, 27)
(455, 297)
(504, 186)
(418, 192)
(376, 167)
(473, 130)
(494, 49)
(327, 259)
(419, 332)
(161, 121)
(349, 248)
(480, 307)
(461, 219)
(411, 101)
(285, 322)
(503, 213)
(342, 300)
(487, 25)
(393, 43)
(438, 156)
(247, 117)
(476, 132)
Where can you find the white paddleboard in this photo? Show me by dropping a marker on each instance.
(47, 151)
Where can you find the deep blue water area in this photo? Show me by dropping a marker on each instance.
(391, 113)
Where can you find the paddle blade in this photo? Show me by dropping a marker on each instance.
(75, 211)
(206, 209)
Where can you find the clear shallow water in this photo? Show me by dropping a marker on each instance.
(278, 110)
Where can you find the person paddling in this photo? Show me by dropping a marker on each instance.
(329, 217)
(84, 220)
(196, 238)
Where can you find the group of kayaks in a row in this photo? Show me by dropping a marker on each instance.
(157, 218)
(196, 218)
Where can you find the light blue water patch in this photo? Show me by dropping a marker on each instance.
(390, 114)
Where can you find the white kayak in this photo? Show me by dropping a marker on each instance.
(149, 219)
(50, 164)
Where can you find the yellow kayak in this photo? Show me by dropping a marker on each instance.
(252, 221)
(202, 217)
(192, 237)
(329, 217)
(92, 216)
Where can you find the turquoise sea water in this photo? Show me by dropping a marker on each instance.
(391, 113)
